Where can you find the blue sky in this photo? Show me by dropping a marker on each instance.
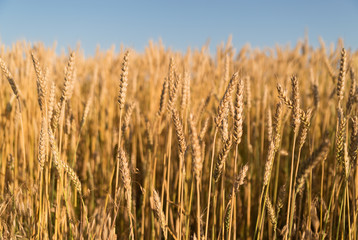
(178, 23)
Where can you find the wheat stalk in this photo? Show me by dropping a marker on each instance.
(296, 113)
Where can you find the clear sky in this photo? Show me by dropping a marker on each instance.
(178, 23)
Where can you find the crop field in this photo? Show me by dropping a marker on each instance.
(160, 144)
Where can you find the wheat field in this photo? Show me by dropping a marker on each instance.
(247, 144)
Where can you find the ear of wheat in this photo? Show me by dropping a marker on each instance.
(69, 77)
(271, 212)
(197, 160)
(240, 179)
(179, 132)
(126, 178)
(320, 154)
(222, 158)
(42, 143)
(41, 82)
(61, 165)
(10, 78)
(158, 210)
(238, 115)
(163, 98)
(341, 77)
(123, 82)
(224, 101)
